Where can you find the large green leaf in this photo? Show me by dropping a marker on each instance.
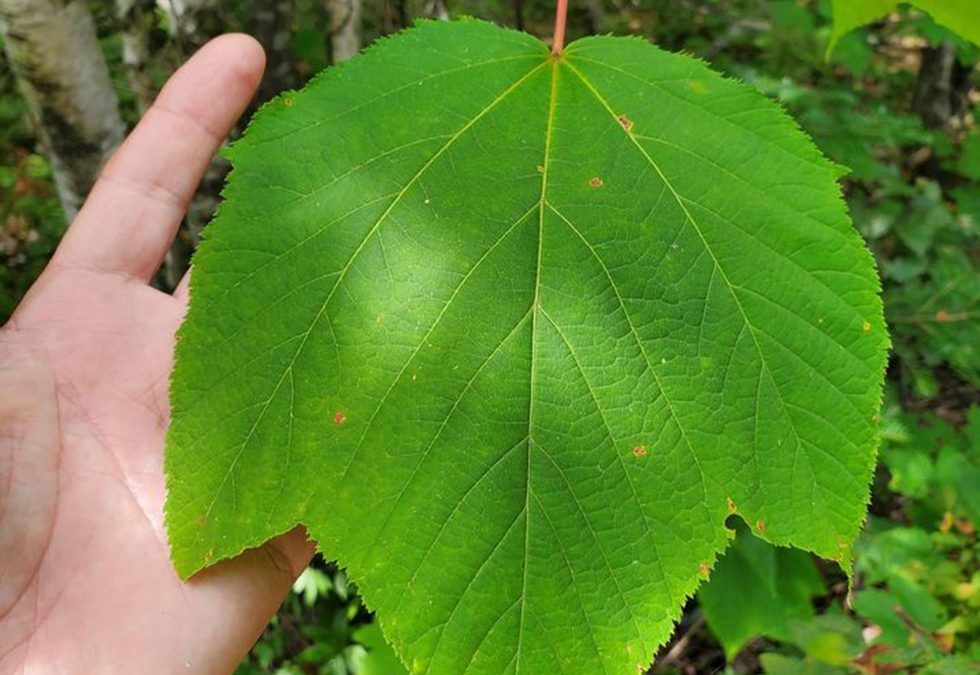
(960, 16)
(513, 335)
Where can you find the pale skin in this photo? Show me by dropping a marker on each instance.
(86, 582)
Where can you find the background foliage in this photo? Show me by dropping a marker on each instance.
(896, 102)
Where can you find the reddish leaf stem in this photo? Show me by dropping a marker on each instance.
(558, 42)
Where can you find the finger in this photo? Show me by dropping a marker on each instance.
(238, 596)
(132, 213)
(183, 287)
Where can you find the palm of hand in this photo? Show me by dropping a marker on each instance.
(86, 583)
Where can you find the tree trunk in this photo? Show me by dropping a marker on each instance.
(55, 55)
(345, 29)
(942, 90)
(136, 18)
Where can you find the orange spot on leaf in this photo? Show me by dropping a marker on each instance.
(625, 122)
(595, 182)
(760, 525)
(704, 569)
(640, 451)
(942, 316)
(867, 327)
(340, 418)
(731, 505)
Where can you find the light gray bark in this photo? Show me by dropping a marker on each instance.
(435, 9)
(345, 29)
(52, 47)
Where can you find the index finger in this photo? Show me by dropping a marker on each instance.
(131, 216)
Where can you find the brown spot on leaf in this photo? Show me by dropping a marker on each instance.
(731, 505)
(595, 182)
(201, 519)
(866, 327)
(942, 316)
(339, 417)
(704, 569)
(640, 451)
(287, 102)
(625, 122)
(760, 525)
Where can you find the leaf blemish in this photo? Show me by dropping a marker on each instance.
(697, 86)
(287, 102)
(339, 418)
(867, 327)
(704, 569)
(732, 508)
(640, 451)
(760, 525)
(625, 122)
(595, 182)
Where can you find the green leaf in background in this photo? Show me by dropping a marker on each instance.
(758, 589)
(379, 658)
(828, 645)
(960, 16)
(514, 335)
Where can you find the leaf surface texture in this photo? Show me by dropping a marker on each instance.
(513, 336)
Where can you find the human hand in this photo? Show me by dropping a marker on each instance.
(86, 583)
